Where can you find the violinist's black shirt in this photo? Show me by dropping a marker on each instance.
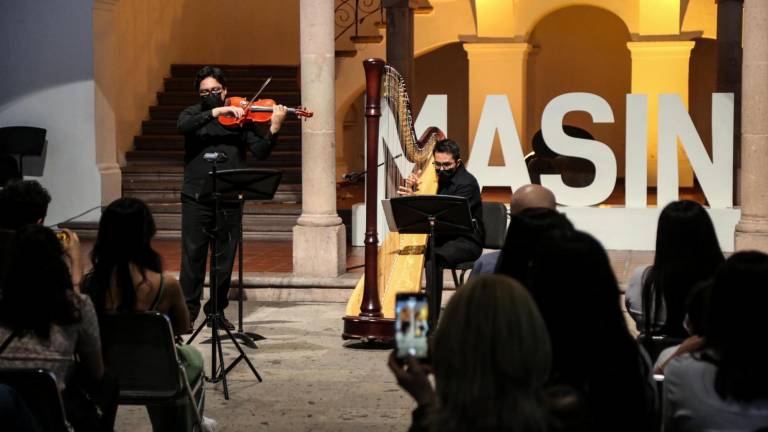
(203, 133)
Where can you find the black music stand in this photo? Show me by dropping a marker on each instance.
(230, 186)
(433, 215)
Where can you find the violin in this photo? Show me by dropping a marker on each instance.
(259, 111)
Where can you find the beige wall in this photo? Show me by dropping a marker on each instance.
(567, 57)
(153, 34)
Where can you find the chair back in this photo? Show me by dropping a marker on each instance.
(139, 348)
(495, 222)
(38, 389)
(654, 345)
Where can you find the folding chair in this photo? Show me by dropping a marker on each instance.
(39, 391)
(495, 223)
(139, 348)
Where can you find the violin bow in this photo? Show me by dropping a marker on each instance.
(263, 86)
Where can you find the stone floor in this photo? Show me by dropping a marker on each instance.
(312, 382)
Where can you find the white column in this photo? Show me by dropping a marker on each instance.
(319, 238)
(752, 230)
(105, 76)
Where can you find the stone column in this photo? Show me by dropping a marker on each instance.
(661, 67)
(497, 68)
(729, 18)
(319, 238)
(105, 77)
(752, 229)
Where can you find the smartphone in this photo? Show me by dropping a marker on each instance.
(411, 326)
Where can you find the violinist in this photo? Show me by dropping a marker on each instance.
(204, 134)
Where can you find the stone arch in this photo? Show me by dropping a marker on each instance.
(568, 57)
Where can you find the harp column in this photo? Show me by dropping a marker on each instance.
(319, 238)
(752, 230)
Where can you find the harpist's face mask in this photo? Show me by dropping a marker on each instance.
(445, 165)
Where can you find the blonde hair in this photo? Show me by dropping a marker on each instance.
(491, 356)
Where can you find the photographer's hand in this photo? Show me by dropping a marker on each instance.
(413, 377)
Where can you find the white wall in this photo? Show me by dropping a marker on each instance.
(47, 64)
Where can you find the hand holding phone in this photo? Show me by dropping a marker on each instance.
(412, 326)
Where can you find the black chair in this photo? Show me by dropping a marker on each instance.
(140, 349)
(39, 391)
(20, 141)
(655, 344)
(495, 223)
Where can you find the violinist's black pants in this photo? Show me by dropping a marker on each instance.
(197, 223)
(449, 251)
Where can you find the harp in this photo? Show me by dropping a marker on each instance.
(396, 265)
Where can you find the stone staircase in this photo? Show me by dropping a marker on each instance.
(154, 170)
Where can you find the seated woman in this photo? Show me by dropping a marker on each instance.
(127, 276)
(687, 252)
(44, 323)
(490, 358)
(525, 231)
(724, 385)
(574, 286)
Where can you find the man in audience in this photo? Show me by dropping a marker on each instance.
(25, 202)
(525, 197)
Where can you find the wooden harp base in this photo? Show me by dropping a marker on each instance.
(369, 329)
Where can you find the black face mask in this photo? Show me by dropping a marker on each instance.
(211, 101)
(445, 174)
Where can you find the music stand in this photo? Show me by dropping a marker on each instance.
(229, 186)
(433, 215)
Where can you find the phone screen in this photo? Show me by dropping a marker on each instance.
(412, 325)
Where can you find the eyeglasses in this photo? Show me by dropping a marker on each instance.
(443, 165)
(215, 91)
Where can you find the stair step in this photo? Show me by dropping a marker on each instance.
(262, 208)
(235, 71)
(367, 39)
(176, 157)
(287, 98)
(176, 142)
(235, 85)
(251, 222)
(88, 230)
(291, 126)
(346, 53)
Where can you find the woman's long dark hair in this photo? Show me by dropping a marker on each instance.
(687, 252)
(524, 231)
(577, 293)
(736, 327)
(125, 233)
(38, 287)
(491, 357)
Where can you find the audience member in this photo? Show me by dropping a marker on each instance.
(697, 307)
(525, 197)
(26, 202)
(724, 385)
(490, 357)
(687, 252)
(574, 286)
(127, 276)
(525, 231)
(44, 323)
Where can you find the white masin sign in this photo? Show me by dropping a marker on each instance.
(632, 227)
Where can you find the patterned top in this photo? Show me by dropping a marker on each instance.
(57, 352)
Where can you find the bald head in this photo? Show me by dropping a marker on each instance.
(531, 196)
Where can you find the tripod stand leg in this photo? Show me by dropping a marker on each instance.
(242, 356)
(221, 362)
